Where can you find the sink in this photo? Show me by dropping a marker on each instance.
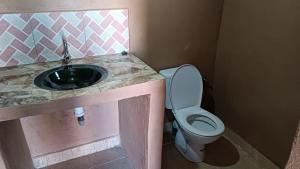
(70, 77)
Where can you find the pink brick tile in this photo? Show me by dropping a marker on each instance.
(81, 26)
(74, 42)
(3, 26)
(104, 13)
(90, 53)
(54, 15)
(107, 45)
(25, 16)
(20, 46)
(119, 27)
(27, 29)
(31, 25)
(96, 28)
(111, 51)
(17, 33)
(72, 30)
(125, 23)
(125, 13)
(7, 53)
(12, 62)
(88, 43)
(126, 44)
(41, 59)
(82, 49)
(86, 20)
(118, 37)
(96, 39)
(46, 31)
(59, 51)
(59, 24)
(107, 21)
(39, 48)
(48, 44)
(32, 53)
(79, 14)
(34, 23)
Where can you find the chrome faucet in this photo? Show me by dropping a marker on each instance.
(67, 57)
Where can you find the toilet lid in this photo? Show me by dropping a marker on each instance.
(186, 87)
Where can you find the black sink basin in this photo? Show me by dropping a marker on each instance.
(70, 77)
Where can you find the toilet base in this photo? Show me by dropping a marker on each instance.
(186, 150)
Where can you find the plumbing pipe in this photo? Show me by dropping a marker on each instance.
(79, 114)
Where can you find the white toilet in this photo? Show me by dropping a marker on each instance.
(196, 126)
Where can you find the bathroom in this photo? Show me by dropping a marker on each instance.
(247, 53)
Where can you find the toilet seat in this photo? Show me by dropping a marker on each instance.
(185, 96)
(215, 125)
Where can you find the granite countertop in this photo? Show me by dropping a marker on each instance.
(17, 88)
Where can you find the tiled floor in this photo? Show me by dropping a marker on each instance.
(114, 158)
(229, 152)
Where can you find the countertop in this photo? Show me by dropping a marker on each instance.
(17, 88)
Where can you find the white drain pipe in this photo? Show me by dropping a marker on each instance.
(79, 114)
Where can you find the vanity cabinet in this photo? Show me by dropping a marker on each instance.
(126, 108)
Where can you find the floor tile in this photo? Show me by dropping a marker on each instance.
(107, 156)
(113, 158)
(172, 159)
(168, 138)
(116, 164)
(78, 163)
(222, 154)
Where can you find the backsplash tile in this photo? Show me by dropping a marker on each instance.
(36, 37)
(106, 32)
(16, 40)
(50, 29)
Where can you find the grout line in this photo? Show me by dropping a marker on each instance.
(108, 162)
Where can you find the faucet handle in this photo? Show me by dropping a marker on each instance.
(65, 45)
(66, 55)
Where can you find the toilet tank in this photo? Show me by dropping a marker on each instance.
(168, 73)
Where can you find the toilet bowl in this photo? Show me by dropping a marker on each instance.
(196, 126)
